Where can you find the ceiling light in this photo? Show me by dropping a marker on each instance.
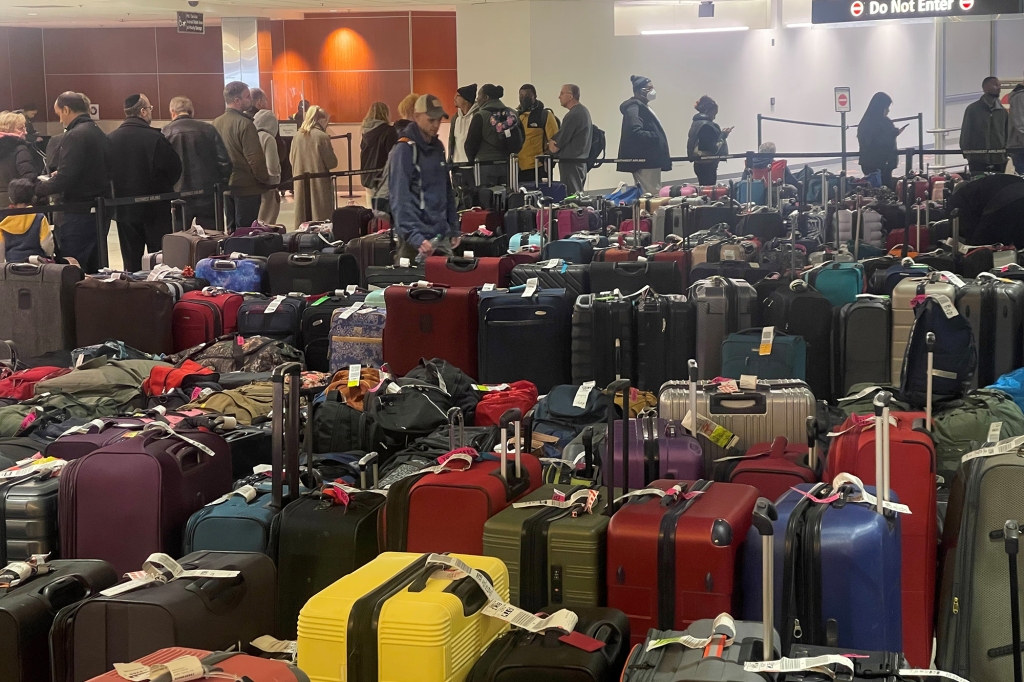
(33, 14)
(806, 25)
(674, 31)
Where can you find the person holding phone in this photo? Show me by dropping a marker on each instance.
(876, 135)
(706, 138)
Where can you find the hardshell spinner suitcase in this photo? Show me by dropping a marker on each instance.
(28, 516)
(392, 620)
(666, 338)
(432, 322)
(525, 338)
(612, 338)
(239, 665)
(903, 314)
(39, 301)
(114, 310)
(840, 283)
(800, 311)
(27, 611)
(146, 487)
(357, 338)
(185, 249)
(572, 277)
(776, 408)
(469, 272)
(723, 306)
(88, 638)
(863, 343)
(672, 557)
(311, 273)
(995, 310)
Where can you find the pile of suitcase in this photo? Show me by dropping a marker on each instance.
(679, 439)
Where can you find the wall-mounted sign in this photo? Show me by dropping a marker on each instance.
(191, 22)
(94, 112)
(844, 11)
(287, 128)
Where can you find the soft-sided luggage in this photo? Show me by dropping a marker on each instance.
(469, 272)
(229, 604)
(825, 529)
(995, 311)
(311, 273)
(723, 306)
(941, 356)
(146, 487)
(566, 411)
(418, 505)
(40, 305)
(573, 277)
(254, 244)
(33, 594)
(202, 316)
(185, 249)
(773, 468)
(241, 274)
(569, 250)
(350, 222)
(316, 327)
(480, 245)
(218, 664)
(383, 276)
(862, 342)
(520, 655)
(903, 314)
(742, 354)
(356, 338)
(278, 317)
(629, 278)
(430, 322)
(913, 481)
(394, 619)
(373, 250)
(475, 218)
(798, 310)
(666, 338)
(140, 314)
(525, 338)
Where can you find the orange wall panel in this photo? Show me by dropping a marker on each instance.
(100, 50)
(433, 42)
(442, 83)
(350, 44)
(108, 91)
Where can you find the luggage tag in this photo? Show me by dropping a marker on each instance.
(271, 645)
(37, 466)
(354, 370)
(179, 670)
(18, 572)
(584, 498)
(1003, 447)
(716, 433)
(767, 338)
(722, 625)
(467, 455)
(160, 568)
(246, 491)
(947, 306)
(864, 496)
(531, 287)
(160, 427)
(488, 286)
(583, 393)
(994, 429)
(817, 664)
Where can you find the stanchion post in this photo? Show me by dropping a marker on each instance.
(842, 126)
(307, 195)
(759, 117)
(218, 207)
(101, 234)
(920, 139)
(348, 136)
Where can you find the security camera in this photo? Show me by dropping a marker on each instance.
(193, 3)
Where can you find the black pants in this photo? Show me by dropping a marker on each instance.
(77, 238)
(241, 211)
(985, 167)
(707, 173)
(138, 236)
(886, 174)
(491, 176)
(527, 175)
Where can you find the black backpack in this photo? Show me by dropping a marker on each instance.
(956, 356)
(509, 130)
(597, 147)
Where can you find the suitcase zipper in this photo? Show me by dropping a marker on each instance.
(667, 556)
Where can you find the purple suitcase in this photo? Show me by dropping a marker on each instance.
(658, 449)
(77, 443)
(131, 498)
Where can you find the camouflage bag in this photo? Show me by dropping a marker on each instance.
(255, 354)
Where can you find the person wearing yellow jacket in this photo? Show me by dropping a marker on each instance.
(539, 125)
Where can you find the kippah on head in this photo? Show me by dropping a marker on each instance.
(131, 101)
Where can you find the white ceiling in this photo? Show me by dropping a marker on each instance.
(162, 12)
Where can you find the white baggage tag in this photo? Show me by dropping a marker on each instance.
(262, 469)
(132, 671)
(1001, 448)
(585, 497)
(947, 305)
(920, 672)
(275, 646)
(351, 289)
(246, 491)
(37, 466)
(748, 382)
(954, 280)
(531, 287)
(274, 304)
(728, 255)
(468, 254)
(861, 394)
(198, 229)
(347, 312)
(674, 490)
(582, 394)
(723, 625)
(486, 388)
(403, 262)
(767, 338)
(551, 264)
(792, 665)
(354, 371)
(994, 429)
(864, 496)
(161, 568)
(488, 286)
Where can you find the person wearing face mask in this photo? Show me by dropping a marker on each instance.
(539, 126)
(145, 163)
(643, 143)
(706, 138)
(985, 127)
(876, 137)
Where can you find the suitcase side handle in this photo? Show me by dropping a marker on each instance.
(66, 590)
(219, 595)
(462, 264)
(609, 466)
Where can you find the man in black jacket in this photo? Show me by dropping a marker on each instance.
(204, 160)
(643, 142)
(82, 175)
(145, 163)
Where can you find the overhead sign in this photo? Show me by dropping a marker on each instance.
(843, 104)
(191, 22)
(845, 11)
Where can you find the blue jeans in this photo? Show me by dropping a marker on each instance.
(76, 237)
(1018, 162)
(240, 211)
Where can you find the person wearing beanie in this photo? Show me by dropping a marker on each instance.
(465, 108)
(539, 125)
(144, 163)
(483, 141)
(643, 143)
(706, 138)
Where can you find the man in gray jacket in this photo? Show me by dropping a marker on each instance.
(984, 128)
(573, 140)
(1015, 140)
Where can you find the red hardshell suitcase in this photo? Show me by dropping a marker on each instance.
(921, 186)
(475, 218)
(469, 272)
(674, 561)
(919, 238)
(241, 666)
(430, 322)
(418, 515)
(203, 316)
(132, 498)
(913, 480)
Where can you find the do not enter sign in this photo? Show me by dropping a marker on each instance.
(842, 100)
(857, 8)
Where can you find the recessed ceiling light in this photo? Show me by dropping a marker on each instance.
(33, 14)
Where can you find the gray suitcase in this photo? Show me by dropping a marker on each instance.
(28, 517)
(777, 408)
(903, 313)
(995, 310)
(185, 249)
(39, 306)
(724, 306)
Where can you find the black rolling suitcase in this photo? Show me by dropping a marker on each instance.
(666, 338)
(572, 277)
(277, 317)
(316, 328)
(801, 311)
(704, 217)
(478, 245)
(27, 610)
(862, 337)
(311, 273)
(613, 345)
(372, 250)
(350, 222)
(382, 276)
(630, 277)
(262, 244)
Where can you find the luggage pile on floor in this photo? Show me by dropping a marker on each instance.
(573, 467)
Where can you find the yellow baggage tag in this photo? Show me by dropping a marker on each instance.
(767, 337)
(353, 374)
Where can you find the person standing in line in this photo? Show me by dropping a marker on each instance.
(23, 236)
(204, 160)
(266, 127)
(1015, 139)
(483, 141)
(406, 111)
(539, 126)
(378, 137)
(465, 109)
(82, 175)
(876, 138)
(422, 197)
(573, 140)
(985, 127)
(249, 175)
(643, 141)
(312, 152)
(260, 102)
(16, 159)
(706, 138)
(145, 164)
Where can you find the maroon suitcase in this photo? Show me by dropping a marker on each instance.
(673, 560)
(430, 322)
(137, 313)
(682, 257)
(92, 436)
(131, 498)
(773, 468)
(469, 272)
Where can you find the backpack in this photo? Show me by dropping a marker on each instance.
(557, 418)
(509, 130)
(963, 426)
(257, 354)
(337, 427)
(956, 357)
(597, 147)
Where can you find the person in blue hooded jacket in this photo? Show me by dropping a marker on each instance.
(422, 199)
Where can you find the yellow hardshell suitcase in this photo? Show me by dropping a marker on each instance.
(397, 619)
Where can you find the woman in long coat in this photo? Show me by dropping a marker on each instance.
(312, 152)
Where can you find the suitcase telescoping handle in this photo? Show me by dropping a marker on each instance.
(511, 419)
(1011, 542)
(588, 452)
(620, 385)
(929, 341)
(455, 415)
(881, 404)
(285, 440)
(812, 443)
(955, 218)
(765, 516)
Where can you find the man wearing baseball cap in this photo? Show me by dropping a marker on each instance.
(422, 199)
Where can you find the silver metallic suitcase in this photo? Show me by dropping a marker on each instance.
(903, 313)
(776, 408)
(724, 306)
